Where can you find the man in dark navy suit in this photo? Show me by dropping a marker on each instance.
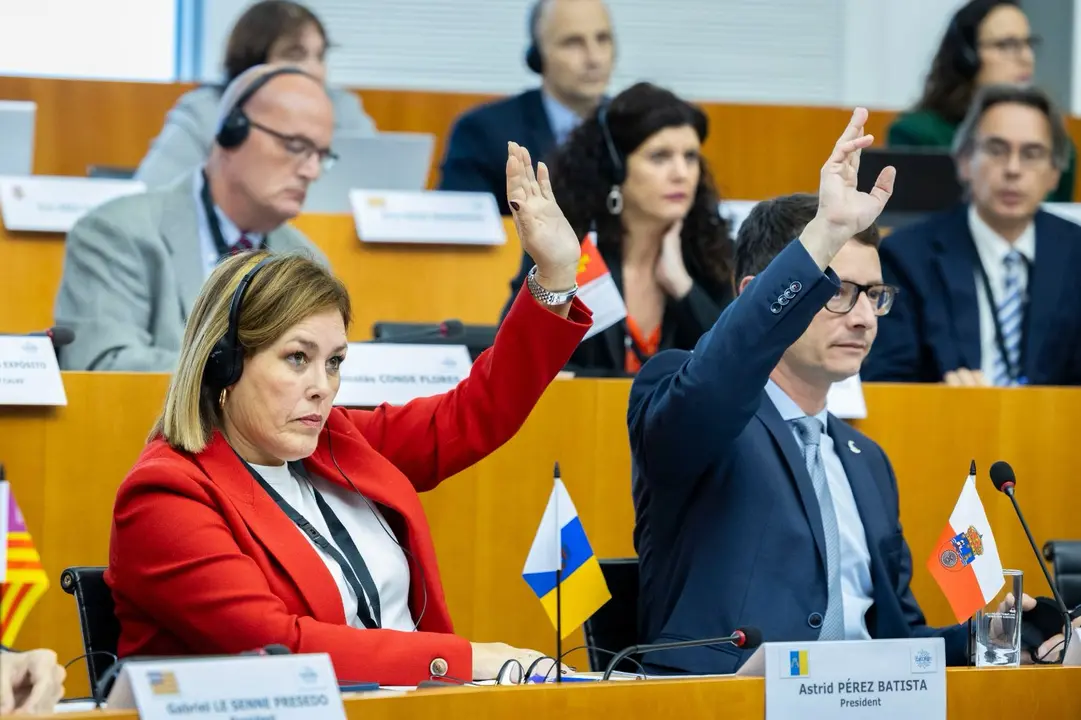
(755, 506)
(572, 49)
(987, 289)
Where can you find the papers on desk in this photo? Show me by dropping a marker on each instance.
(75, 706)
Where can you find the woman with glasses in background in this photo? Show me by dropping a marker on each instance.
(988, 42)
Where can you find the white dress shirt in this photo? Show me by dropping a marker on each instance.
(561, 118)
(229, 231)
(992, 249)
(856, 586)
(370, 533)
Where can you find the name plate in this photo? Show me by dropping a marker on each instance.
(896, 679)
(428, 217)
(376, 373)
(29, 373)
(54, 204)
(272, 687)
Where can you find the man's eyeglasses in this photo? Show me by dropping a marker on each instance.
(1000, 151)
(301, 147)
(846, 297)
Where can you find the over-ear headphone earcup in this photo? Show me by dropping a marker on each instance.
(967, 59)
(234, 130)
(221, 366)
(533, 59)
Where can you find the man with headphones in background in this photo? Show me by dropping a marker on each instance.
(134, 266)
(572, 48)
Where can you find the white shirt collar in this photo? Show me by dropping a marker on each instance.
(561, 118)
(992, 247)
(788, 408)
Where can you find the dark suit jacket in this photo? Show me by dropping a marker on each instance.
(934, 325)
(683, 322)
(728, 529)
(476, 157)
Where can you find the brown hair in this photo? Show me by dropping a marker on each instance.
(284, 292)
(262, 25)
(773, 224)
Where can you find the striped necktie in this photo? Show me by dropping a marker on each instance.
(1010, 316)
(809, 431)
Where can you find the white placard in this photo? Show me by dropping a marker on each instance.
(1067, 211)
(376, 373)
(735, 212)
(428, 217)
(272, 686)
(1073, 653)
(895, 679)
(53, 204)
(845, 399)
(29, 373)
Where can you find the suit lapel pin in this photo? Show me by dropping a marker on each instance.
(853, 448)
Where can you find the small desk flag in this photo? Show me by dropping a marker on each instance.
(22, 578)
(561, 543)
(965, 561)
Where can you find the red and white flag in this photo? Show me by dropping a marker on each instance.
(597, 289)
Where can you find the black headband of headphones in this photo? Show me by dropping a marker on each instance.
(225, 362)
(234, 126)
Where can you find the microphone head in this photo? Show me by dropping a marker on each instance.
(277, 649)
(752, 637)
(451, 328)
(1002, 476)
(61, 335)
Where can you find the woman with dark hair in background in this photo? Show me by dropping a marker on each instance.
(271, 31)
(634, 174)
(987, 42)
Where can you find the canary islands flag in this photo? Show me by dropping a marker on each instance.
(22, 578)
(965, 561)
(561, 544)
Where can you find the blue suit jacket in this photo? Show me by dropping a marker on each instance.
(934, 325)
(476, 157)
(728, 529)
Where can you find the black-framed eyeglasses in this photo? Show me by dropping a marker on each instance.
(299, 146)
(1013, 45)
(846, 297)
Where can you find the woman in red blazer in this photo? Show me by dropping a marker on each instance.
(207, 554)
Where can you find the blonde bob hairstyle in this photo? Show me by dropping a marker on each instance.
(287, 290)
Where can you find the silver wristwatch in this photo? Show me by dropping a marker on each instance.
(547, 297)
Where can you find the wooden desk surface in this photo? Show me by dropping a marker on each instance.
(408, 283)
(970, 694)
(66, 463)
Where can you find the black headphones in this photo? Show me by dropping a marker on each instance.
(235, 127)
(618, 172)
(967, 59)
(533, 58)
(226, 360)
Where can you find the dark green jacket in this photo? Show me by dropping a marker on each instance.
(923, 128)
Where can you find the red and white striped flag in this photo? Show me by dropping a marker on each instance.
(22, 578)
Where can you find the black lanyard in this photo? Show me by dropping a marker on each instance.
(354, 569)
(1014, 372)
(216, 234)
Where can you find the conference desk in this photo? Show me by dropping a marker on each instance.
(1045, 692)
(398, 282)
(66, 463)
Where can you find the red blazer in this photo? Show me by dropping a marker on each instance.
(202, 561)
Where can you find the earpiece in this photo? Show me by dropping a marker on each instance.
(235, 126)
(618, 172)
(226, 360)
(533, 58)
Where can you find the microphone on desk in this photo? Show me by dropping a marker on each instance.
(448, 329)
(747, 638)
(1003, 477)
(59, 335)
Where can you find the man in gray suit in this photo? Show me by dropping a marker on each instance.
(133, 267)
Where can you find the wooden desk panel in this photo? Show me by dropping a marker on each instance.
(66, 463)
(411, 283)
(970, 695)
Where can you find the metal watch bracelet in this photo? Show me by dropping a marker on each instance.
(545, 296)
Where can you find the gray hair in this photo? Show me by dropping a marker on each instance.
(987, 97)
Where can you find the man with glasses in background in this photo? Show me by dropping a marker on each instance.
(134, 266)
(987, 294)
(753, 505)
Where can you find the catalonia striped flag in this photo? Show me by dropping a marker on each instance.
(22, 578)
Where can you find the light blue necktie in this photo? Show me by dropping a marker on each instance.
(809, 431)
(1010, 316)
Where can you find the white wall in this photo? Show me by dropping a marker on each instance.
(808, 52)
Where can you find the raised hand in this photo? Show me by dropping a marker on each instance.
(844, 208)
(543, 230)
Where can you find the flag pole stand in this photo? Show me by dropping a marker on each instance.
(559, 624)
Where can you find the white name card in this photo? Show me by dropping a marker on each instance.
(376, 373)
(427, 217)
(274, 687)
(845, 399)
(894, 679)
(1073, 652)
(53, 204)
(29, 373)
